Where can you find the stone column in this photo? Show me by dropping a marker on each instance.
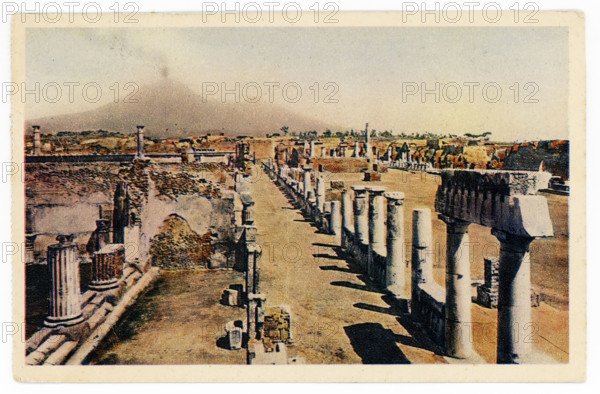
(312, 149)
(120, 212)
(140, 142)
(367, 142)
(514, 299)
(395, 278)
(361, 221)
(422, 253)
(346, 215)
(335, 221)
(307, 183)
(107, 267)
(65, 294)
(376, 225)
(247, 215)
(320, 194)
(37, 141)
(101, 236)
(356, 149)
(458, 290)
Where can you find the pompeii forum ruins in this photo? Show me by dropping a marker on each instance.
(127, 235)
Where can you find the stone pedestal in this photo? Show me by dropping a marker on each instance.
(65, 294)
(361, 220)
(514, 299)
(107, 267)
(234, 336)
(395, 279)
(458, 290)
(376, 224)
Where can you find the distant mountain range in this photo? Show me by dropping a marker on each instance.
(170, 109)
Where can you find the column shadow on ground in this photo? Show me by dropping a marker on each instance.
(418, 338)
(356, 286)
(375, 344)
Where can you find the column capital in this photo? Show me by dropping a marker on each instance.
(359, 191)
(454, 225)
(516, 242)
(394, 197)
(375, 190)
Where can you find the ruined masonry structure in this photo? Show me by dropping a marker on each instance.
(76, 323)
(506, 202)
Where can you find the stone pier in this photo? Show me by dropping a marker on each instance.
(395, 278)
(376, 226)
(65, 294)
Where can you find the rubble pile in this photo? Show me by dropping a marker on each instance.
(177, 246)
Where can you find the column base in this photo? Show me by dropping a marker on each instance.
(53, 322)
(104, 285)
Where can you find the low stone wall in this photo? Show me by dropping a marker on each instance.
(428, 307)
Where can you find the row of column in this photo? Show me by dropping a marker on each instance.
(514, 303)
(370, 225)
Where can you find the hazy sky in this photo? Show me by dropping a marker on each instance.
(370, 68)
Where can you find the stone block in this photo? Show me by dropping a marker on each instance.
(371, 176)
(337, 185)
(234, 336)
(231, 297)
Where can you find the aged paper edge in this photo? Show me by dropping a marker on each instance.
(573, 371)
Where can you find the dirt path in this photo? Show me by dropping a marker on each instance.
(179, 321)
(338, 317)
